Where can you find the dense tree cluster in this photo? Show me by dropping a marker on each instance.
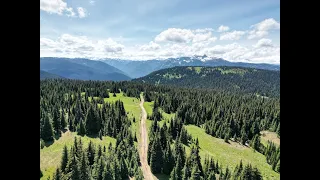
(221, 114)
(246, 172)
(233, 79)
(272, 153)
(79, 106)
(64, 105)
(99, 163)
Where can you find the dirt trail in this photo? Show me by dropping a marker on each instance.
(143, 144)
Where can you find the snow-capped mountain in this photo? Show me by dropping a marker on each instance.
(137, 69)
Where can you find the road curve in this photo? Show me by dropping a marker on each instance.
(143, 144)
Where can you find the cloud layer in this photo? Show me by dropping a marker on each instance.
(175, 42)
(61, 8)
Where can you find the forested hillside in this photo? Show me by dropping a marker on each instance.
(46, 75)
(235, 79)
(84, 107)
(83, 69)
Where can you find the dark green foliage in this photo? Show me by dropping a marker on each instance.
(63, 120)
(75, 173)
(168, 160)
(47, 130)
(57, 175)
(245, 173)
(272, 153)
(81, 128)
(93, 122)
(42, 143)
(220, 113)
(278, 167)
(156, 156)
(65, 158)
(41, 173)
(84, 168)
(56, 120)
(211, 176)
(235, 79)
(255, 143)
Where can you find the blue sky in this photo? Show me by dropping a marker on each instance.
(246, 30)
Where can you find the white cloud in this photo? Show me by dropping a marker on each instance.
(70, 12)
(82, 12)
(236, 52)
(223, 28)
(234, 35)
(53, 7)
(92, 2)
(61, 8)
(262, 29)
(152, 46)
(264, 43)
(172, 42)
(80, 46)
(176, 35)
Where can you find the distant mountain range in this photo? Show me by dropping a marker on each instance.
(119, 70)
(83, 69)
(236, 79)
(46, 75)
(137, 69)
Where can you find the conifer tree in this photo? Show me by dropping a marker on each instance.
(107, 173)
(156, 161)
(57, 175)
(168, 160)
(84, 169)
(63, 119)
(212, 176)
(64, 160)
(92, 122)
(75, 173)
(47, 131)
(81, 129)
(56, 120)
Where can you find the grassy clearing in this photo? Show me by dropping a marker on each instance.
(172, 76)
(269, 136)
(131, 105)
(148, 106)
(233, 71)
(50, 157)
(197, 69)
(166, 117)
(230, 154)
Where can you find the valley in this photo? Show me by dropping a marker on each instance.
(158, 126)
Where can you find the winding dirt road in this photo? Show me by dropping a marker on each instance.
(144, 144)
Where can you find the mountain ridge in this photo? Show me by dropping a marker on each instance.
(227, 78)
(83, 69)
(47, 75)
(138, 69)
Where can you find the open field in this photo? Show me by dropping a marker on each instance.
(230, 154)
(50, 156)
(269, 136)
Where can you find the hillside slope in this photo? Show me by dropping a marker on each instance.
(236, 79)
(138, 69)
(46, 75)
(82, 69)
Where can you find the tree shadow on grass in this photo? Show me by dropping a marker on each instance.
(162, 176)
(48, 143)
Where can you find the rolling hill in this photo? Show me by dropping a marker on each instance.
(236, 79)
(82, 69)
(138, 69)
(46, 75)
